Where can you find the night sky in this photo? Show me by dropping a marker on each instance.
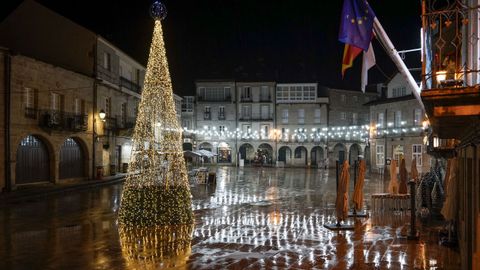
(256, 40)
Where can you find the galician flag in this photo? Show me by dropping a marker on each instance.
(356, 31)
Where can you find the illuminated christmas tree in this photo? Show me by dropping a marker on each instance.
(156, 191)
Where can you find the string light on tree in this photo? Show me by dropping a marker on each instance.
(156, 191)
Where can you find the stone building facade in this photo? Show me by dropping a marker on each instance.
(59, 82)
(299, 112)
(216, 119)
(255, 119)
(348, 113)
(51, 122)
(396, 121)
(120, 81)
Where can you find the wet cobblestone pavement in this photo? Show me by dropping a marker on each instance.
(254, 218)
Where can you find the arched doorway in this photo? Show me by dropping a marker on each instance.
(267, 150)
(354, 152)
(72, 160)
(224, 153)
(317, 156)
(187, 146)
(284, 154)
(205, 146)
(300, 155)
(339, 153)
(33, 161)
(247, 152)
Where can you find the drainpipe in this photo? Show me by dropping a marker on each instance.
(7, 74)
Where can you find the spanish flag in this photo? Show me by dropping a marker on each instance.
(349, 54)
(356, 28)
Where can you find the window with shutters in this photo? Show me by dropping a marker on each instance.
(301, 116)
(285, 116)
(318, 114)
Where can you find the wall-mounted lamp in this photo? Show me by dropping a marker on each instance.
(441, 76)
(102, 115)
(436, 143)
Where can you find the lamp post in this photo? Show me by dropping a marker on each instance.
(275, 135)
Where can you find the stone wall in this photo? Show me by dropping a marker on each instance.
(46, 79)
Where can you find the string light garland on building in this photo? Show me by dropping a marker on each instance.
(353, 133)
(156, 190)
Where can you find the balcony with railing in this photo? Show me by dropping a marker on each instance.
(246, 99)
(124, 82)
(451, 72)
(126, 123)
(207, 116)
(206, 99)
(110, 123)
(58, 120)
(265, 98)
(221, 116)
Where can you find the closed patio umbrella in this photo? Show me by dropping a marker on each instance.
(403, 178)
(450, 206)
(393, 185)
(341, 205)
(413, 170)
(358, 191)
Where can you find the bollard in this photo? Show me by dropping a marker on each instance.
(412, 234)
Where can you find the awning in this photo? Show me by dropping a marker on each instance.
(206, 153)
(199, 153)
(192, 154)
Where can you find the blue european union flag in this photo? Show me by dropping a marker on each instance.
(356, 25)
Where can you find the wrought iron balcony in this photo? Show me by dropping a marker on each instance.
(265, 99)
(110, 123)
(246, 99)
(127, 123)
(214, 100)
(256, 118)
(207, 116)
(124, 82)
(221, 116)
(58, 120)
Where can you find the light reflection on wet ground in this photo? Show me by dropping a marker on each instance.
(254, 218)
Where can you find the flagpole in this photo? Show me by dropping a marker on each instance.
(393, 53)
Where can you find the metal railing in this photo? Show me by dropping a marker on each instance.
(207, 116)
(124, 82)
(110, 123)
(256, 118)
(59, 120)
(444, 28)
(205, 99)
(246, 99)
(265, 99)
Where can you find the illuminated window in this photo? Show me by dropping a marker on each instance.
(380, 155)
(417, 153)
